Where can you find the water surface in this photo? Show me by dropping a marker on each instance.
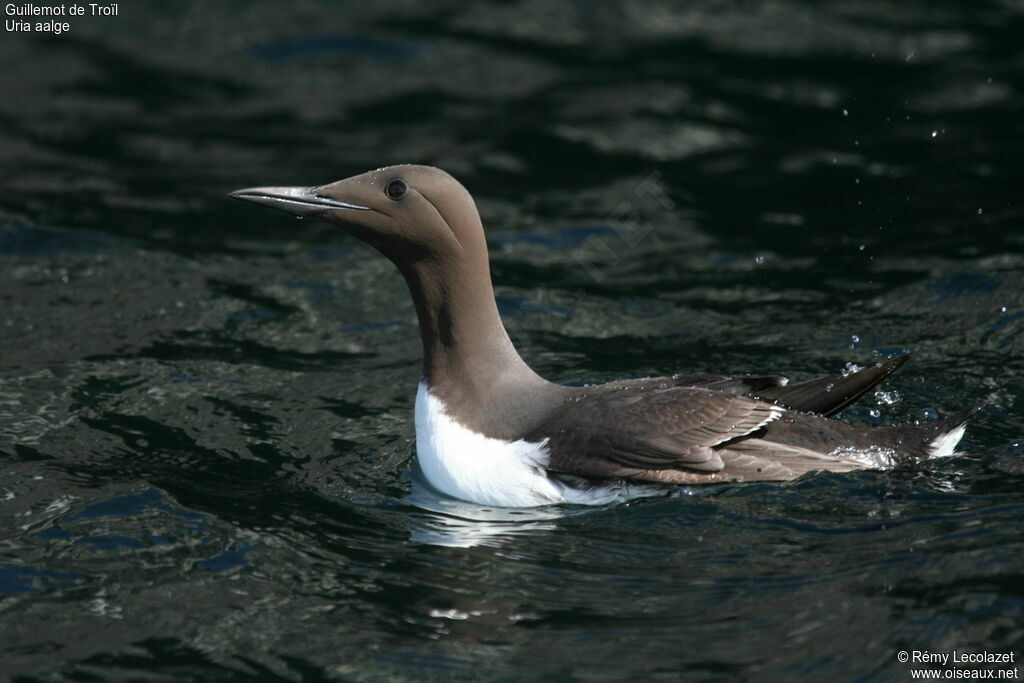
(206, 443)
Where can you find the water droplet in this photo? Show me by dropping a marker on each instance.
(299, 218)
(759, 260)
(830, 386)
(846, 113)
(875, 412)
(935, 133)
(910, 55)
(861, 247)
(887, 398)
(854, 338)
(980, 212)
(1002, 309)
(856, 181)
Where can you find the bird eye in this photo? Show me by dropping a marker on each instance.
(396, 188)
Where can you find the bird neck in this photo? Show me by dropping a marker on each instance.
(462, 333)
(469, 361)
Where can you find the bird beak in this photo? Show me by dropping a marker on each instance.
(298, 201)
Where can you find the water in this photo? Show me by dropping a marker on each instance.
(205, 408)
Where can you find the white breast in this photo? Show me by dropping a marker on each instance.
(467, 465)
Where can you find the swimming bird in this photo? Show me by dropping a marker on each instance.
(490, 430)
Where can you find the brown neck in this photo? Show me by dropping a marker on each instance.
(462, 333)
(469, 361)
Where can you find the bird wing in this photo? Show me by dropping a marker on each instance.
(614, 431)
(823, 396)
(753, 460)
(828, 395)
(737, 385)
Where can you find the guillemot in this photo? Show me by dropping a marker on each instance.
(490, 430)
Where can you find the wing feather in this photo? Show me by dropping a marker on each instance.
(614, 431)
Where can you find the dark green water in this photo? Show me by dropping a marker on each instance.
(205, 409)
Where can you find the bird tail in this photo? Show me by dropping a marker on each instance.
(943, 435)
